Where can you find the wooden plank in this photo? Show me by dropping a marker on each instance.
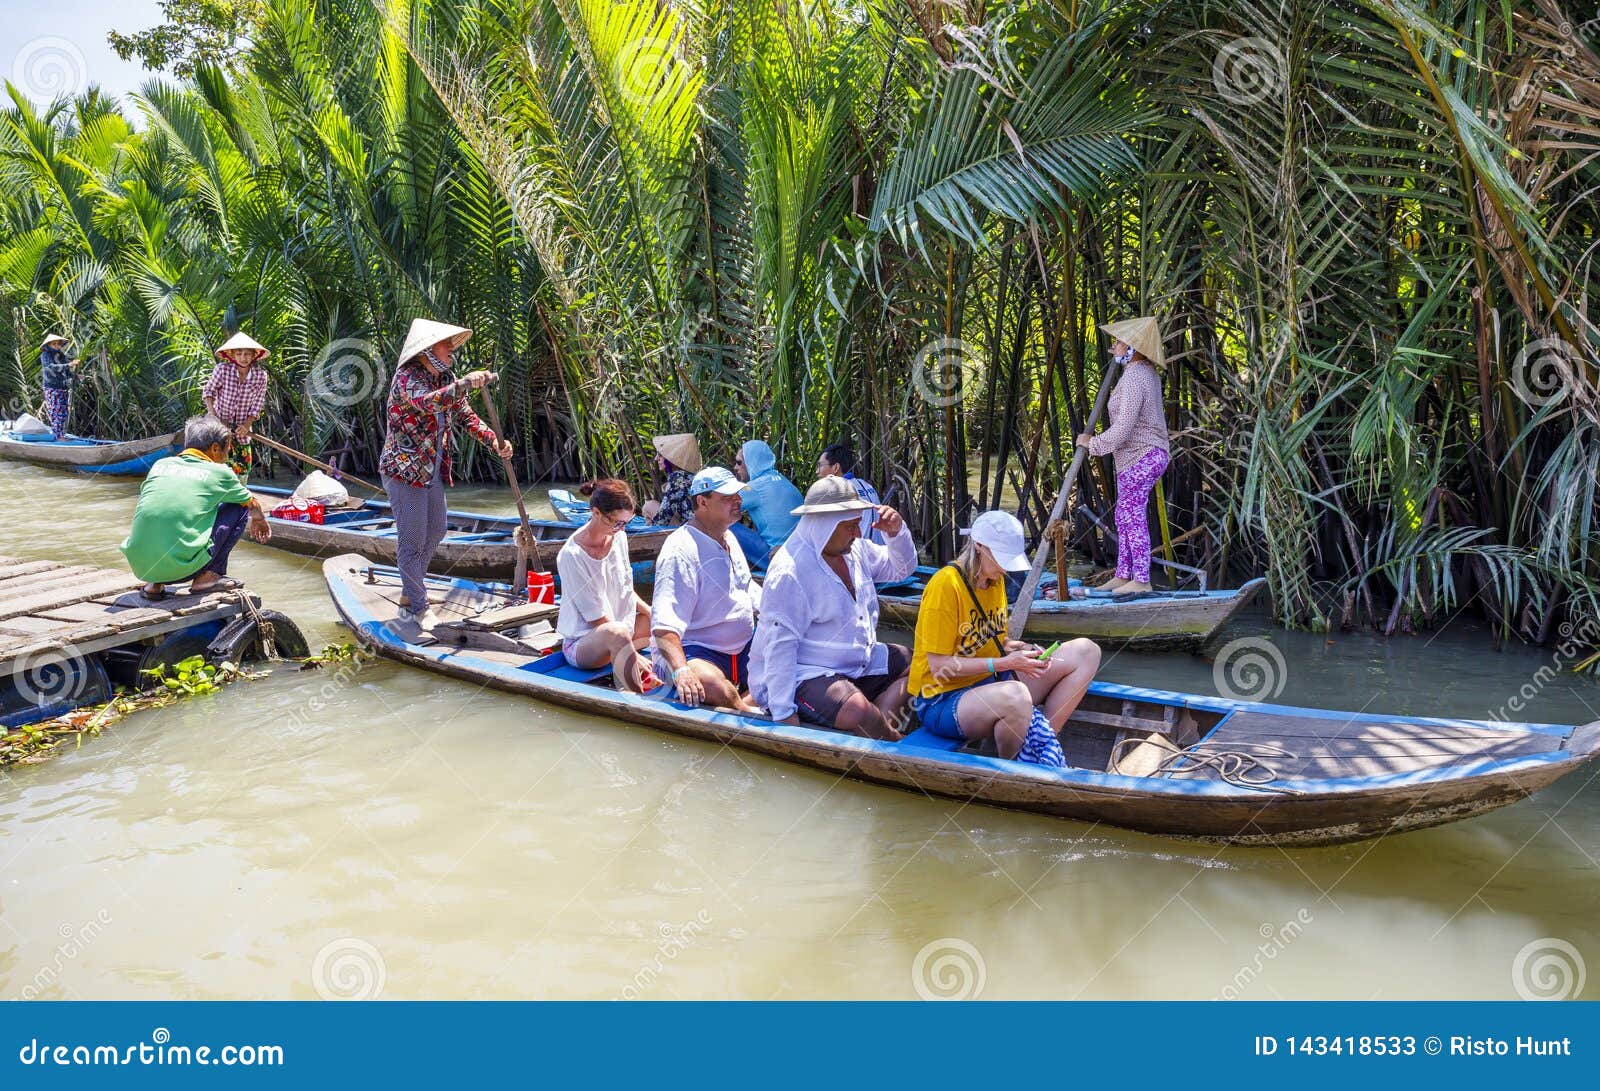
(509, 617)
(80, 590)
(10, 569)
(22, 585)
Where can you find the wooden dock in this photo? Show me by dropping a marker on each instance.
(46, 606)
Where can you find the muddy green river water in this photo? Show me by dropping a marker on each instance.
(392, 833)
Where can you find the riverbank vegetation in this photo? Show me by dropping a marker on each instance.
(1369, 227)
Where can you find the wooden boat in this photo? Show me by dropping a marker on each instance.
(478, 546)
(575, 509)
(1312, 777)
(1156, 621)
(91, 456)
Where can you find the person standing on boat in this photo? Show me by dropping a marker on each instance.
(236, 394)
(425, 404)
(816, 650)
(192, 510)
(839, 460)
(678, 458)
(968, 681)
(704, 602)
(1137, 440)
(769, 501)
(603, 620)
(57, 374)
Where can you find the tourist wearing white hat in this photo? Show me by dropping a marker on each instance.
(816, 650)
(1136, 438)
(236, 394)
(703, 606)
(968, 681)
(425, 405)
(56, 375)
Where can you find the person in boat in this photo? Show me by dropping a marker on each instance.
(769, 501)
(57, 373)
(678, 459)
(704, 604)
(816, 652)
(192, 511)
(236, 394)
(602, 619)
(1136, 439)
(839, 460)
(425, 403)
(968, 681)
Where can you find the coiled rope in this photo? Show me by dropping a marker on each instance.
(1240, 764)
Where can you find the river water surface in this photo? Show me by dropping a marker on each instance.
(393, 833)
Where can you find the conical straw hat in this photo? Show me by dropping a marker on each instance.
(681, 449)
(242, 340)
(1143, 335)
(54, 337)
(425, 333)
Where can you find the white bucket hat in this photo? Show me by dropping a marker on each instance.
(242, 340)
(425, 333)
(1001, 534)
(829, 495)
(1143, 335)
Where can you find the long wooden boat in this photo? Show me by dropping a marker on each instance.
(1313, 777)
(476, 546)
(93, 456)
(1152, 621)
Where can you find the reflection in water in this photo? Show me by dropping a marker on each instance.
(409, 836)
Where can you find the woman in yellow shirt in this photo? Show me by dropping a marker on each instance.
(967, 680)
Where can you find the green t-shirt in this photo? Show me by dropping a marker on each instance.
(171, 535)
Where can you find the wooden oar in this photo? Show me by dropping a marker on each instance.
(525, 544)
(1019, 610)
(303, 457)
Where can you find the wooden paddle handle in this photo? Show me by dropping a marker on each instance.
(303, 457)
(526, 547)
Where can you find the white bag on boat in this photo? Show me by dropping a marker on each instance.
(323, 489)
(29, 425)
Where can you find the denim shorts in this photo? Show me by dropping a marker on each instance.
(938, 714)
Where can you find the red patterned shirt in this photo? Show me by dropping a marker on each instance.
(236, 400)
(422, 409)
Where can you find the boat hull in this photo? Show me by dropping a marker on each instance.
(457, 555)
(1183, 622)
(1188, 809)
(90, 456)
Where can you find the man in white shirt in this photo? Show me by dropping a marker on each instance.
(704, 602)
(816, 650)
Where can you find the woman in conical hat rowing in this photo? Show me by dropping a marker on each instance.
(1136, 439)
(56, 374)
(236, 394)
(425, 403)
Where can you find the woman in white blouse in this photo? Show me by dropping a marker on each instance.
(602, 618)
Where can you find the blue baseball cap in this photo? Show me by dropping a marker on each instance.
(716, 479)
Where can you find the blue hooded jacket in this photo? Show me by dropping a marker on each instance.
(770, 497)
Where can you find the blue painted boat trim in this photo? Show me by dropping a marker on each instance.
(378, 633)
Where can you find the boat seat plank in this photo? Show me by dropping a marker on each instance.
(10, 570)
(509, 617)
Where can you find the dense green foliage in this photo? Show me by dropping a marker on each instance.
(1368, 226)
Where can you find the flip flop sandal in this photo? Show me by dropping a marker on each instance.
(224, 584)
(152, 596)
